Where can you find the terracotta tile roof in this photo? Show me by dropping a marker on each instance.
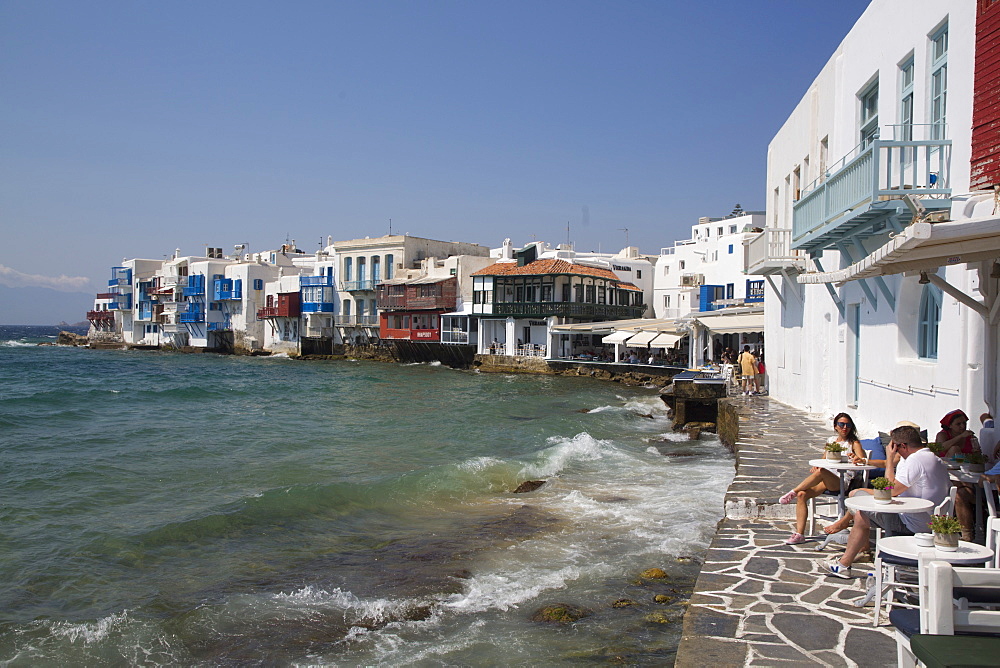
(551, 266)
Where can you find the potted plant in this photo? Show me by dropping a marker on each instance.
(882, 490)
(833, 450)
(946, 532)
(974, 463)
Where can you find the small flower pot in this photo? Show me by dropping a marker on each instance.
(834, 456)
(946, 542)
(882, 495)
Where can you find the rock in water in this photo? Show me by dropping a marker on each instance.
(70, 339)
(559, 613)
(528, 486)
(653, 574)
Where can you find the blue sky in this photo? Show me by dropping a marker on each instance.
(133, 128)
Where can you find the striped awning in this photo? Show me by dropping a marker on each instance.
(642, 338)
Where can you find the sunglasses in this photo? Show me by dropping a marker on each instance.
(843, 424)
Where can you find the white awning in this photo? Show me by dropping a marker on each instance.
(664, 341)
(617, 337)
(641, 339)
(734, 324)
(922, 247)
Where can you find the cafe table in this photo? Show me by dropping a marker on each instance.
(840, 468)
(903, 551)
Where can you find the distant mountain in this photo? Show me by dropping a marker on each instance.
(42, 306)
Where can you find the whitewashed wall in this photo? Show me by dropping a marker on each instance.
(809, 344)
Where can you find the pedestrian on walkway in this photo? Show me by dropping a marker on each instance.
(748, 371)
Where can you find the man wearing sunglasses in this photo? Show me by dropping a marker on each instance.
(920, 473)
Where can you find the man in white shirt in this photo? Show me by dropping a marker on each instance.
(920, 474)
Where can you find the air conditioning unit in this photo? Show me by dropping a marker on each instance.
(692, 280)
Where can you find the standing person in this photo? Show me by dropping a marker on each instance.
(748, 370)
(955, 438)
(920, 474)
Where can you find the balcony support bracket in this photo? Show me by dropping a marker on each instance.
(867, 289)
(829, 288)
(777, 291)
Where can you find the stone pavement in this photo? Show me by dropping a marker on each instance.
(757, 601)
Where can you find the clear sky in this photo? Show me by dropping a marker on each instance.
(129, 129)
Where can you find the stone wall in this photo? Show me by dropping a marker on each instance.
(728, 423)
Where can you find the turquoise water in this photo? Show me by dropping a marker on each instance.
(162, 508)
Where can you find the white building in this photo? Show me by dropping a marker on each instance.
(364, 263)
(866, 312)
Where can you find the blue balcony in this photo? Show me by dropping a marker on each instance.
(121, 303)
(309, 281)
(121, 276)
(863, 195)
(219, 327)
(317, 307)
(191, 316)
(227, 288)
(145, 310)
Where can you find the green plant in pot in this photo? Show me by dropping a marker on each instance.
(882, 490)
(834, 450)
(946, 532)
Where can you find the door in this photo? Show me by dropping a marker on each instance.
(853, 354)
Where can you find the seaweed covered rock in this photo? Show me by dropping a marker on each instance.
(559, 613)
(653, 574)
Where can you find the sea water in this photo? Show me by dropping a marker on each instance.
(162, 508)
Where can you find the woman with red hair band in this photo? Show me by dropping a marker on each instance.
(955, 438)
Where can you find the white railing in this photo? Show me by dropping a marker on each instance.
(773, 245)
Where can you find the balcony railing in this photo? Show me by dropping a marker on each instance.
(318, 307)
(356, 320)
(100, 315)
(568, 309)
(358, 286)
(121, 303)
(884, 170)
(287, 311)
(219, 327)
(191, 317)
(454, 336)
(771, 251)
(308, 281)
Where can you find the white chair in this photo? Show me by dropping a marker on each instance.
(938, 615)
(989, 491)
(888, 569)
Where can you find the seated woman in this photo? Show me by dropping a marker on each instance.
(955, 438)
(822, 480)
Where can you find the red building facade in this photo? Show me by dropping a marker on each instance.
(986, 98)
(411, 309)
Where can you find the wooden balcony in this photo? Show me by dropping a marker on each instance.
(864, 194)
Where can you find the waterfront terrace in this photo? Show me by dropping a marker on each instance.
(757, 601)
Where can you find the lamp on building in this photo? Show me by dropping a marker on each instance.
(923, 278)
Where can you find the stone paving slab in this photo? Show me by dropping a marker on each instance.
(757, 601)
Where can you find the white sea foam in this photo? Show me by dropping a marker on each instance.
(503, 591)
(90, 632)
(478, 464)
(17, 344)
(563, 451)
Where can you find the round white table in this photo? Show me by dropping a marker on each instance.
(906, 547)
(840, 468)
(899, 504)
